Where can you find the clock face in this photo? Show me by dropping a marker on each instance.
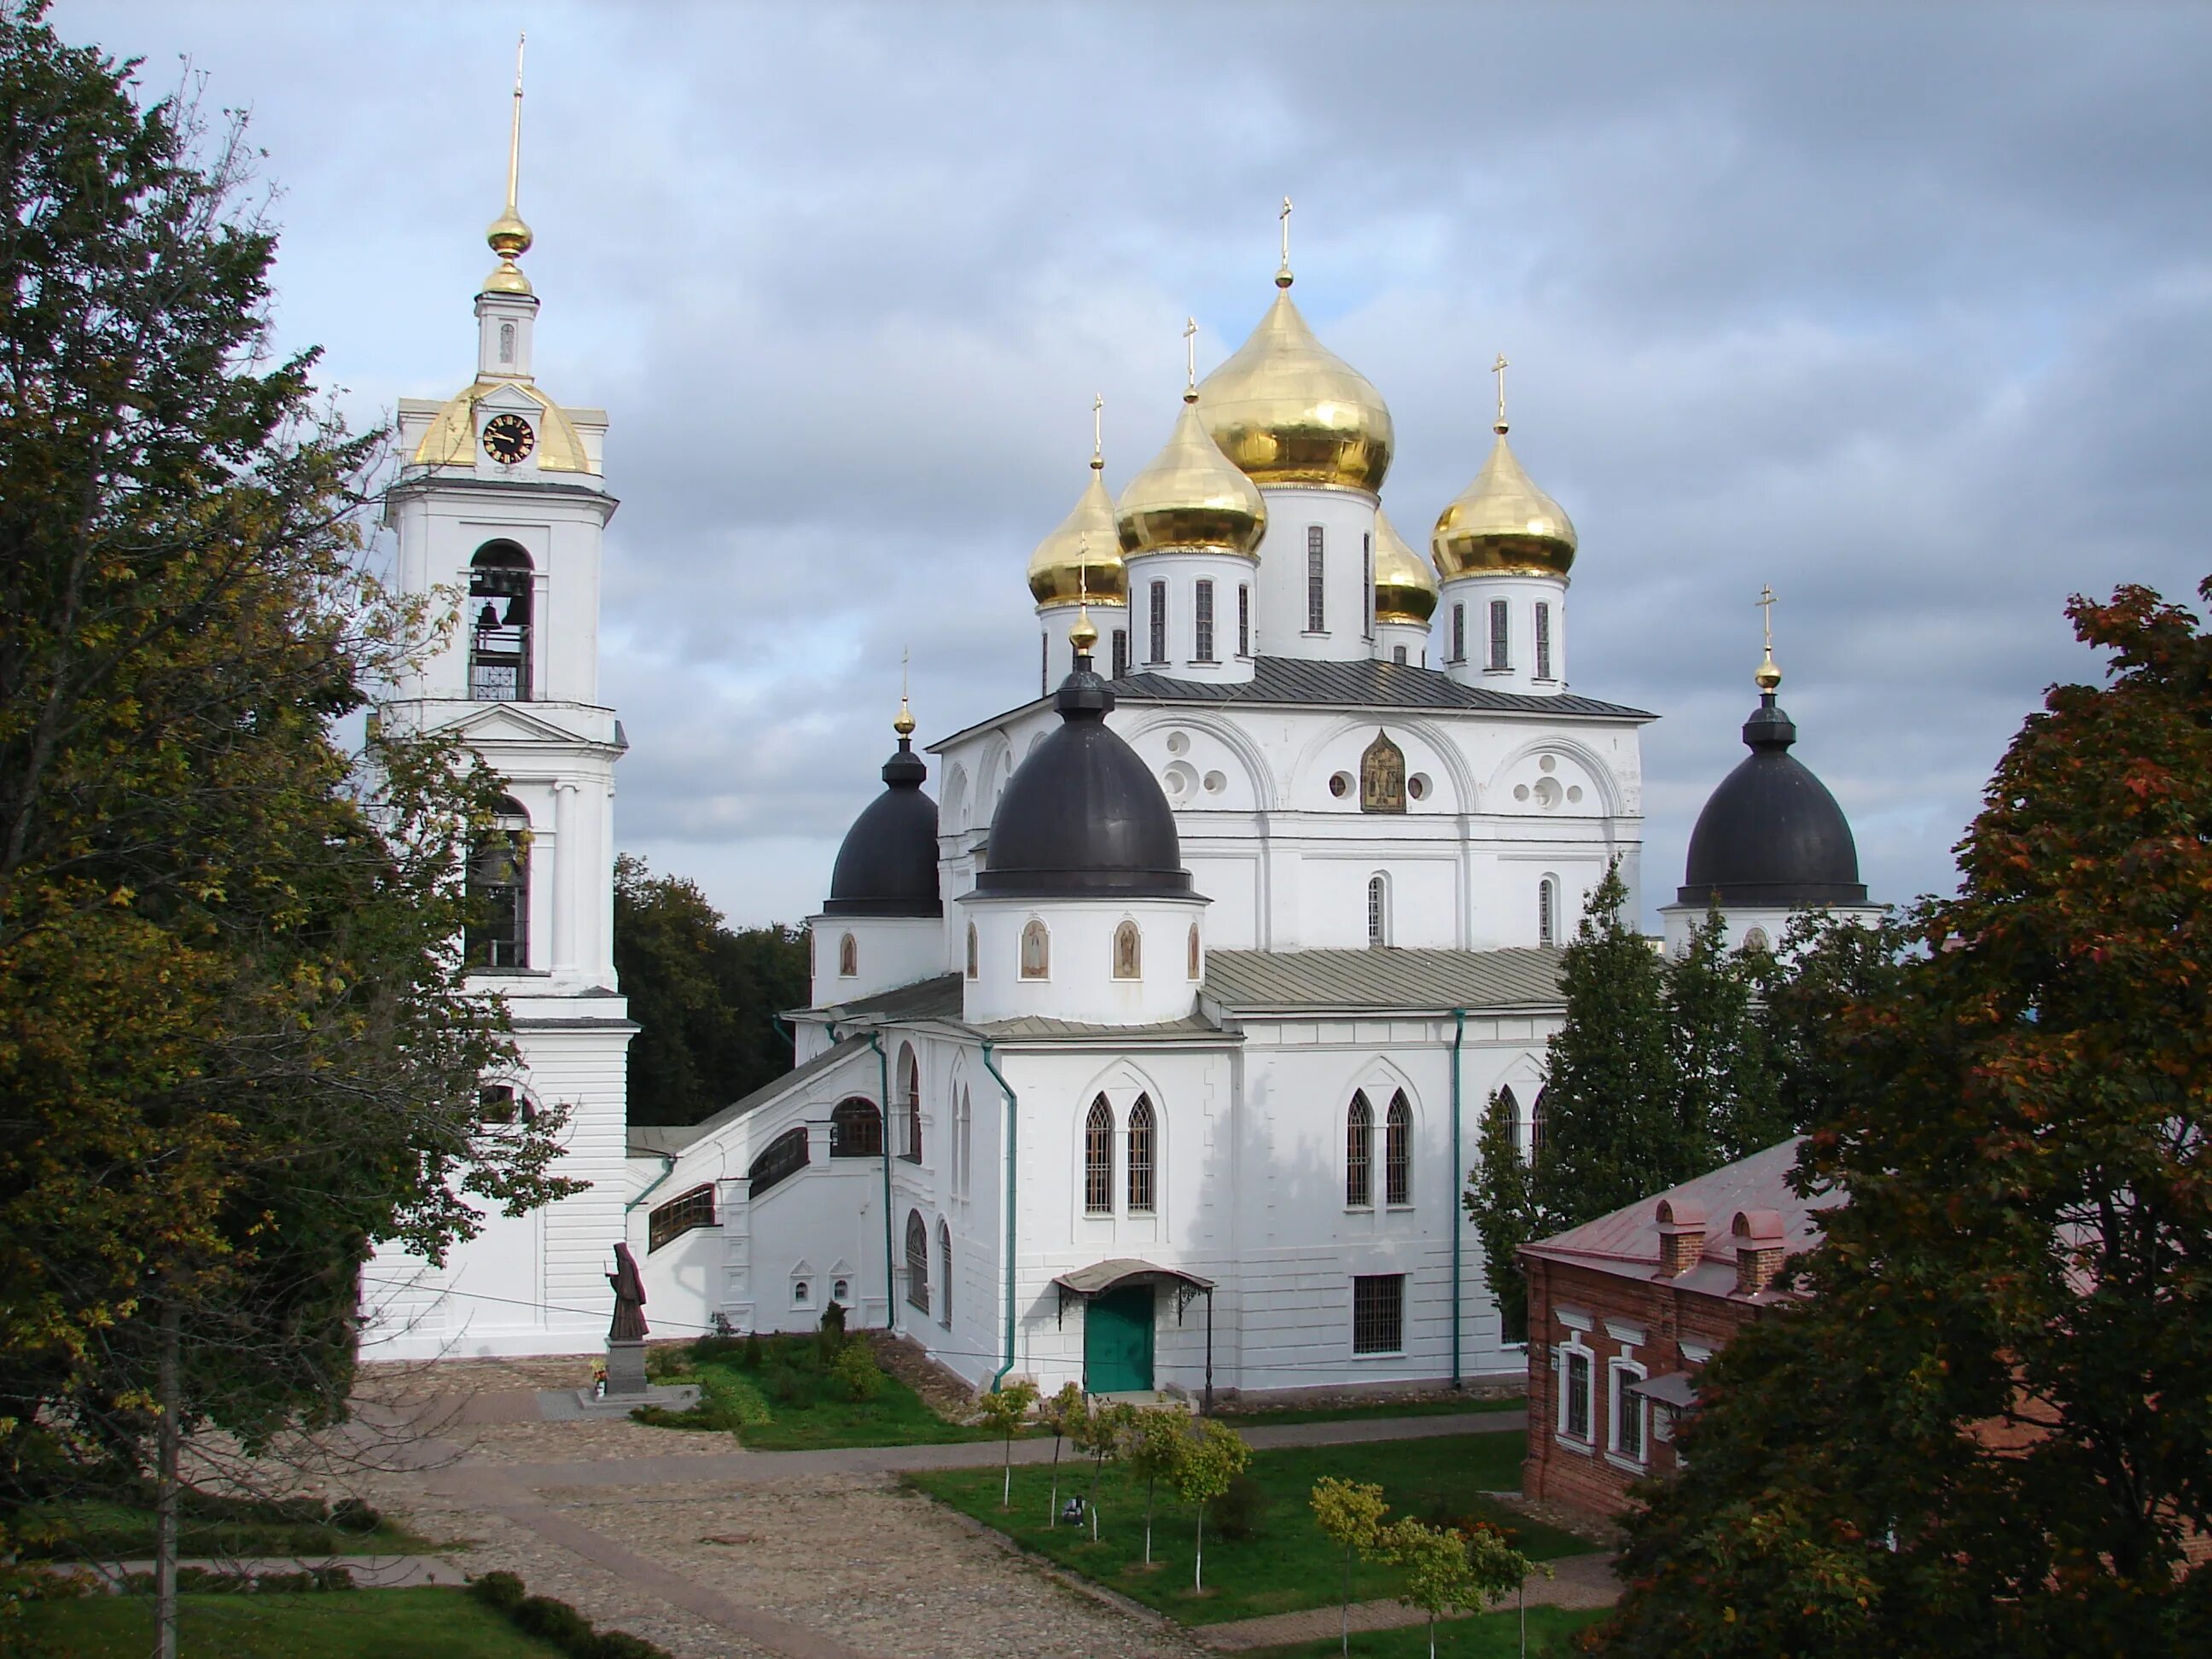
(508, 438)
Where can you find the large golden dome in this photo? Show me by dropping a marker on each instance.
(1190, 497)
(1288, 410)
(1405, 586)
(1502, 525)
(1082, 557)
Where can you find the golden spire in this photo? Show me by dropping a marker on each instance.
(1498, 368)
(1283, 271)
(1190, 359)
(509, 236)
(1767, 676)
(1097, 432)
(903, 723)
(1083, 635)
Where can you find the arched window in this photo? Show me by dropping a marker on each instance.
(1193, 968)
(781, 1158)
(963, 1147)
(1547, 912)
(1098, 1159)
(1511, 1105)
(497, 932)
(1142, 1152)
(917, 1260)
(1378, 911)
(849, 957)
(1398, 1151)
(1536, 1123)
(1359, 1154)
(910, 1082)
(944, 1268)
(975, 952)
(1128, 952)
(856, 1129)
(498, 624)
(668, 1223)
(1036, 950)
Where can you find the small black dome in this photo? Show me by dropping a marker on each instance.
(888, 865)
(1771, 834)
(1082, 818)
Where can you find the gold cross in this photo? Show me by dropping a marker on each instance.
(1766, 603)
(1498, 368)
(1190, 352)
(1097, 429)
(1284, 215)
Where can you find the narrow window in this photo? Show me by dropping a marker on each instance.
(1367, 586)
(1498, 635)
(1316, 609)
(1536, 1123)
(1378, 909)
(1192, 968)
(1543, 641)
(1574, 1395)
(1128, 952)
(917, 1260)
(679, 1216)
(963, 1150)
(1627, 1413)
(499, 640)
(1160, 622)
(1378, 1313)
(1098, 1159)
(1547, 907)
(799, 1293)
(848, 958)
(1398, 1151)
(910, 1075)
(1044, 665)
(1036, 950)
(1121, 652)
(496, 934)
(498, 1104)
(1141, 1157)
(506, 342)
(856, 1129)
(1398, 655)
(975, 952)
(1204, 622)
(1359, 1155)
(1244, 619)
(1459, 633)
(945, 1264)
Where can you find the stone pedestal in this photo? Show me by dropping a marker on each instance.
(626, 1370)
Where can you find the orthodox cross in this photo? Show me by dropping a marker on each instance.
(1097, 429)
(1766, 603)
(1498, 368)
(1284, 215)
(1190, 356)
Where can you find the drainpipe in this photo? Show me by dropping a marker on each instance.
(1013, 1175)
(667, 1169)
(1458, 1221)
(890, 1275)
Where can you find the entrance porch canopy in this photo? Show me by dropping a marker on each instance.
(1098, 1279)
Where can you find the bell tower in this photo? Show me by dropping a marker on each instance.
(502, 498)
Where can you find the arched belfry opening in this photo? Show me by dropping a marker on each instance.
(500, 618)
(497, 931)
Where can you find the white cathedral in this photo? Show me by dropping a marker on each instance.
(1153, 1057)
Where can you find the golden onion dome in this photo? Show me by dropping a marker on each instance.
(1405, 586)
(1083, 556)
(1191, 497)
(1288, 410)
(510, 239)
(1502, 525)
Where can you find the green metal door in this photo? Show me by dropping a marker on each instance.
(1117, 1341)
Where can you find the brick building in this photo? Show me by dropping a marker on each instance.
(1624, 1310)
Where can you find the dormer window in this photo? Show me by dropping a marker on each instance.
(500, 582)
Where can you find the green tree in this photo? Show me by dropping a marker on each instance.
(704, 996)
(1448, 1570)
(1728, 1088)
(1501, 1197)
(1350, 1514)
(1005, 1409)
(1154, 1449)
(1105, 1434)
(236, 1051)
(1989, 1429)
(1065, 1415)
(1212, 1456)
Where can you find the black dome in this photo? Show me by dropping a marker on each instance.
(1082, 818)
(888, 865)
(1771, 834)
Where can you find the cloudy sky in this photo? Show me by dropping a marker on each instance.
(1908, 313)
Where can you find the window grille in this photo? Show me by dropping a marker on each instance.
(1141, 1157)
(1547, 921)
(945, 1284)
(1378, 897)
(500, 583)
(1317, 608)
(1244, 619)
(1203, 622)
(1543, 641)
(917, 1260)
(1398, 1151)
(780, 1159)
(1098, 1159)
(911, 1074)
(856, 1129)
(1459, 634)
(679, 1216)
(1121, 652)
(1359, 1154)
(1159, 623)
(1499, 658)
(1576, 1388)
(1378, 1313)
(497, 931)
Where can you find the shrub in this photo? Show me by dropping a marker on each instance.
(829, 1339)
(554, 1621)
(752, 1351)
(352, 1514)
(726, 1349)
(1241, 1512)
(787, 1384)
(500, 1590)
(855, 1371)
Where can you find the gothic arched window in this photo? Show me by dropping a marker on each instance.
(1128, 952)
(1143, 1131)
(917, 1260)
(856, 1129)
(1398, 1151)
(1098, 1159)
(1511, 1105)
(500, 579)
(1548, 911)
(496, 934)
(848, 958)
(1359, 1154)
(910, 1083)
(1378, 911)
(1536, 1123)
(1036, 950)
(945, 1267)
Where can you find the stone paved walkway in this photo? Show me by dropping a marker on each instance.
(1578, 1581)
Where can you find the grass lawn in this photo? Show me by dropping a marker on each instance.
(776, 1395)
(1419, 1406)
(107, 1531)
(1289, 1564)
(1488, 1636)
(422, 1624)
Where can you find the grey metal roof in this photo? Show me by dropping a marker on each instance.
(1035, 1026)
(1289, 980)
(1362, 685)
(1103, 1276)
(926, 998)
(668, 1138)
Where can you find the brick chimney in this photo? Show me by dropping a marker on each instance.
(1759, 1249)
(1681, 1235)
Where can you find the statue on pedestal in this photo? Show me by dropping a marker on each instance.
(628, 1323)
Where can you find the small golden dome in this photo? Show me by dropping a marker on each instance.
(1083, 556)
(1190, 497)
(1405, 586)
(509, 237)
(1768, 675)
(902, 722)
(1083, 635)
(1502, 525)
(1288, 410)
